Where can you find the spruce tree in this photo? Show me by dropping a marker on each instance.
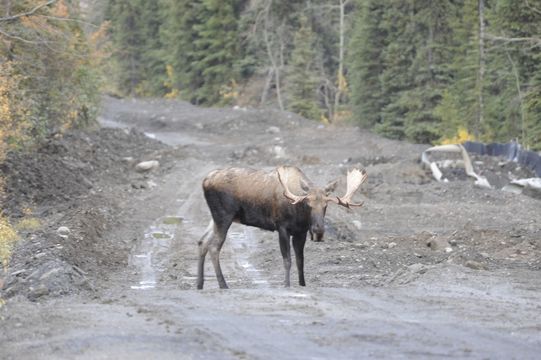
(177, 35)
(215, 50)
(301, 86)
(127, 37)
(397, 57)
(365, 63)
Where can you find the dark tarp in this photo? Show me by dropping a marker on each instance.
(511, 151)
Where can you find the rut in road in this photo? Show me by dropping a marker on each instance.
(179, 231)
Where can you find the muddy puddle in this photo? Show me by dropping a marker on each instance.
(149, 257)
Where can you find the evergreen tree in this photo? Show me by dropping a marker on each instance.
(460, 105)
(397, 57)
(365, 63)
(127, 38)
(151, 50)
(215, 50)
(429, 70)
(520, 20)
(302, 84)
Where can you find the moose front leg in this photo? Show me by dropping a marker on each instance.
(298, 245)
(285, 248)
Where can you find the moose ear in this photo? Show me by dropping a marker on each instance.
(330, 187)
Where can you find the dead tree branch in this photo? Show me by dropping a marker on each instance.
(29, 12)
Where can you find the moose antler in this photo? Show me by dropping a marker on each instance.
(355, 178)
(283, 178)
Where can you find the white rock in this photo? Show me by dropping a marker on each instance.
(357, 224)
(273, 130)
(63, 231)
(279, 151)
(147, 165)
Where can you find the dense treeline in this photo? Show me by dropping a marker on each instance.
(410, 69)
(48, 81)
(47, 78)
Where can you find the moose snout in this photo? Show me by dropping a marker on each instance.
(318, 230)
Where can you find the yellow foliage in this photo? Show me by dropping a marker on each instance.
(168, 83)
(324, 119)
(230, 91)
(342, 83)
(13, 113)
(61, 10)
(461, 136)
(8, 237)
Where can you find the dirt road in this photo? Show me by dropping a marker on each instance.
(374, 287)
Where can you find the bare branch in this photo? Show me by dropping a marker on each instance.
(11, 36)
(535, 10)
(68, 19)
(534, 40)
(28, 13)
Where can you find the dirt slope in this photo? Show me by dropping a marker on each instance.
(423, 270)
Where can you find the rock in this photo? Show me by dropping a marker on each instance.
(279, 152)
(475, 265)
(438, 244)
(38, 292)
(145, 166)
(128, 160)
(512, 188)
(273, 130)
(63, 231)
(358, 225)
(49, 273)
(391, 245)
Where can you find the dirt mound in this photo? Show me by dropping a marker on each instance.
(65, 168)
(75, 185)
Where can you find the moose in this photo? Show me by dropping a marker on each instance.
(282, 200)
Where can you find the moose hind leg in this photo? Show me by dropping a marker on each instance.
(215, 246)
(203, 249)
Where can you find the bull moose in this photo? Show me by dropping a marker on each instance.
(282, 200)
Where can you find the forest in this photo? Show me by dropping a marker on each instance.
(418, 70)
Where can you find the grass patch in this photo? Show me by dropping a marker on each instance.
(159, 235)
(172, 220)
(28, 224)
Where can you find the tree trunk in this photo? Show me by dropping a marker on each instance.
(481, 75)
(341, 78)
(7, 8)
(271, 56)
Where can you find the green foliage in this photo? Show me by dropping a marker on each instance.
(417, 69)
(420, 71)
(302, 83)
(53, 82)
(135, 33)
(365, 61)
(215, 50)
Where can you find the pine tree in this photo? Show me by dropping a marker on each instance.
(215, 50)
(459, 107)
(520, 20)
(365, 63)
(301, 87)
(429, 70)
(177, 35)
(127, 38)
(397, 57)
